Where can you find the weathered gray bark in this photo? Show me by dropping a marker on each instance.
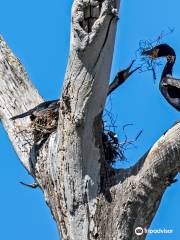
(88, 199)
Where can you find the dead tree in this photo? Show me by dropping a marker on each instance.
(88, 199)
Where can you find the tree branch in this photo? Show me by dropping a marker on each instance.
(162, 159)
(138, 190)
(17, 95)
(76, 152)
(88, 199)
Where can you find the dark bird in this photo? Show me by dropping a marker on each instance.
(121, 78)
(32, 113)
(169, 86)
(44, 119)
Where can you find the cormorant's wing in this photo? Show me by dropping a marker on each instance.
(174, 82)
(52, 107)
(38, 108)
(45, 105)
(173, 91)
(173, 87)
(170, 89)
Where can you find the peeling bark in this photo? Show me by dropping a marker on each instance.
(88, 199)
(17, 95)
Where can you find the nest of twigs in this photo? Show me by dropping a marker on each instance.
(44, 124)
(111, 147)
(114, 150)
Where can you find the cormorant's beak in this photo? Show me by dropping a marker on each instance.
(153, 53)
(127, 71)
(121, 78)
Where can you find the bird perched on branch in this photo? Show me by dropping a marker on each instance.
(44, 119)
(169, 86)
(39, 108)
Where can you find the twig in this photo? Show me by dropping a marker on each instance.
(32, 185)
(148, 64)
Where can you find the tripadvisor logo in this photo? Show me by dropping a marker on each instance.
(140, 231)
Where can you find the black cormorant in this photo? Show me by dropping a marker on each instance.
(44, 119)
(54, 104)
(169, 86)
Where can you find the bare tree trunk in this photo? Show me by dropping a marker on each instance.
(88, 199)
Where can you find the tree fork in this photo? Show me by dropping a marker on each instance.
(88, 199)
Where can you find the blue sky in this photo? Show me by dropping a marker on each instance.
(38, 33)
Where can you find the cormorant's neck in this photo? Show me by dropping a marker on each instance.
(168, 67)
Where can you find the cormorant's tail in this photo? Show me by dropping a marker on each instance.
(22, 115)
